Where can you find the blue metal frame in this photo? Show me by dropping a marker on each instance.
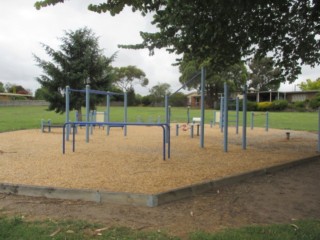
(164, 126)
(203, 78)
(87, 92)
(244, 118)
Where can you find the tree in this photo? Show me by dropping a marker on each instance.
(40, 94)
(2, 87)
(138, 99)
(158, 93)
(235, 76)
(146, 100)
(224, 32)
(264, 76)
(126, 77)
(79, 61)
(310, 85)
(131, 97)
(178, 100)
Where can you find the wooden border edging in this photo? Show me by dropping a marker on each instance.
(148, 200)
(192, 190)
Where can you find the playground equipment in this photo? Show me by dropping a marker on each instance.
(116, 124)
(190, 123)
(166, 124)
(190, 126)
(215, 119)
(87, 92)
(226, 122)
(266, 115)
(202, 114)
(68, 124)
(48, 124)
(236, 115)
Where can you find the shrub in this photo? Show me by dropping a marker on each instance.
(178, 100)
(264, 106)
(146, 100)
(279, 105)
(299, 104)
(314, 103)
(251, 106)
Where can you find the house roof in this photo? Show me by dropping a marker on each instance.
(15, 95)
(195, 93)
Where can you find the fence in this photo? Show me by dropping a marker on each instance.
(24, 103)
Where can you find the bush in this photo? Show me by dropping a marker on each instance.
(300, 106)
(264, 106)
(314, 103)
(251, 106)
(178, 100)
(279, 105)
(146, 100)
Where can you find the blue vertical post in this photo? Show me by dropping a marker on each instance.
(252, 120)
(67, 111)
(214, 117)
(49, 127)
(237, 115)
(92, 119)
(188, 114)
(203, 79)
(108, 113)
(244, 118)
(319, 130)
(221, 114)
(106, 110)
(42, 125)
(77, 120)
(191, 130)
(87, 111)
(225, 118)
(267, 121)
(125, 112)
(177, 129)
(166, 102)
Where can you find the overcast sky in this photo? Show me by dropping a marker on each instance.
(23, 28)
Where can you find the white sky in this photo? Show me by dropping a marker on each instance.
(23, 28)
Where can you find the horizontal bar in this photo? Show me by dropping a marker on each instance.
(77, 90)
(96, 92)
(118, 123)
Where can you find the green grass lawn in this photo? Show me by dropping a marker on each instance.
(27, 117)
(16, 228)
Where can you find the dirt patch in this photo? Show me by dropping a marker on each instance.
(134, 163)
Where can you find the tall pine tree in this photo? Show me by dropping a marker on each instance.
(79, 61)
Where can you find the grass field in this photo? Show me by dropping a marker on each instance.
(16, 228)
(16, 118)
